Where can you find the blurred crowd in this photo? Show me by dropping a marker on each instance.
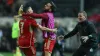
(10, 7)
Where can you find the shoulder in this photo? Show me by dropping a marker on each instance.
(33, 21)
(90, 23)
(78, 24)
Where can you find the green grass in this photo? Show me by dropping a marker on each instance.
(5, 54)
(10, 54)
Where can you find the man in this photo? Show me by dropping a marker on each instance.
(59, 45)
(87, 33)
(47, 21)
(27, 26)
(15, 34)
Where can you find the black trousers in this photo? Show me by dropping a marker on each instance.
(59, 48)
(14, 43)
(85, 51)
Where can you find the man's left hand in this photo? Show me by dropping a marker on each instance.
(84, 38)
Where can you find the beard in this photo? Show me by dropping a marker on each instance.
(81, 19)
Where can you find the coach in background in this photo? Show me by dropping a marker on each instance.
(87, 34)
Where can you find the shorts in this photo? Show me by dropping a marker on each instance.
(31, 51)
(48, 45)
(26, 44)
(14, 44)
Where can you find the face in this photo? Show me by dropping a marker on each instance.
(56, 24)
(81, 17)
(30, 10)
(47, 6)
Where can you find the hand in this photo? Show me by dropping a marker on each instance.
(84, 38)
(39, 25)
(54, 30)
(20, 10)
(61, 37)
(35, 41)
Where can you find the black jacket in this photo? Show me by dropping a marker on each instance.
(84, 28)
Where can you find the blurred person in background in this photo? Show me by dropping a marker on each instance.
(47, 21)
(15, 35)
(59, 46)
(26, 38)
(87, 32)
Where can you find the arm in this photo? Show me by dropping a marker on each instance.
(73, 32)
(34, 24)
(34, 15)
(47, 29)
(92, 30)
(20, 11)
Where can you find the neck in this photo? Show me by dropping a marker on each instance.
(46, 11)
(82, 20)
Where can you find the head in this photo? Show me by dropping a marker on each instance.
(49, 7)
(57, 24)
(16, 19)
(28, 9)
(82, 16)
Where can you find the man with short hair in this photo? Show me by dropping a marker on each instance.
(87, 34)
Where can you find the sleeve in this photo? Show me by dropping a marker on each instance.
(92, 30)
(73, 32)
(34, 24)
(34, 15)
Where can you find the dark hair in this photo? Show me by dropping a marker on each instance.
(53, 7)
(84, 13)
(25, 8)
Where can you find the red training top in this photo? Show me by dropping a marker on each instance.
(27, 33)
